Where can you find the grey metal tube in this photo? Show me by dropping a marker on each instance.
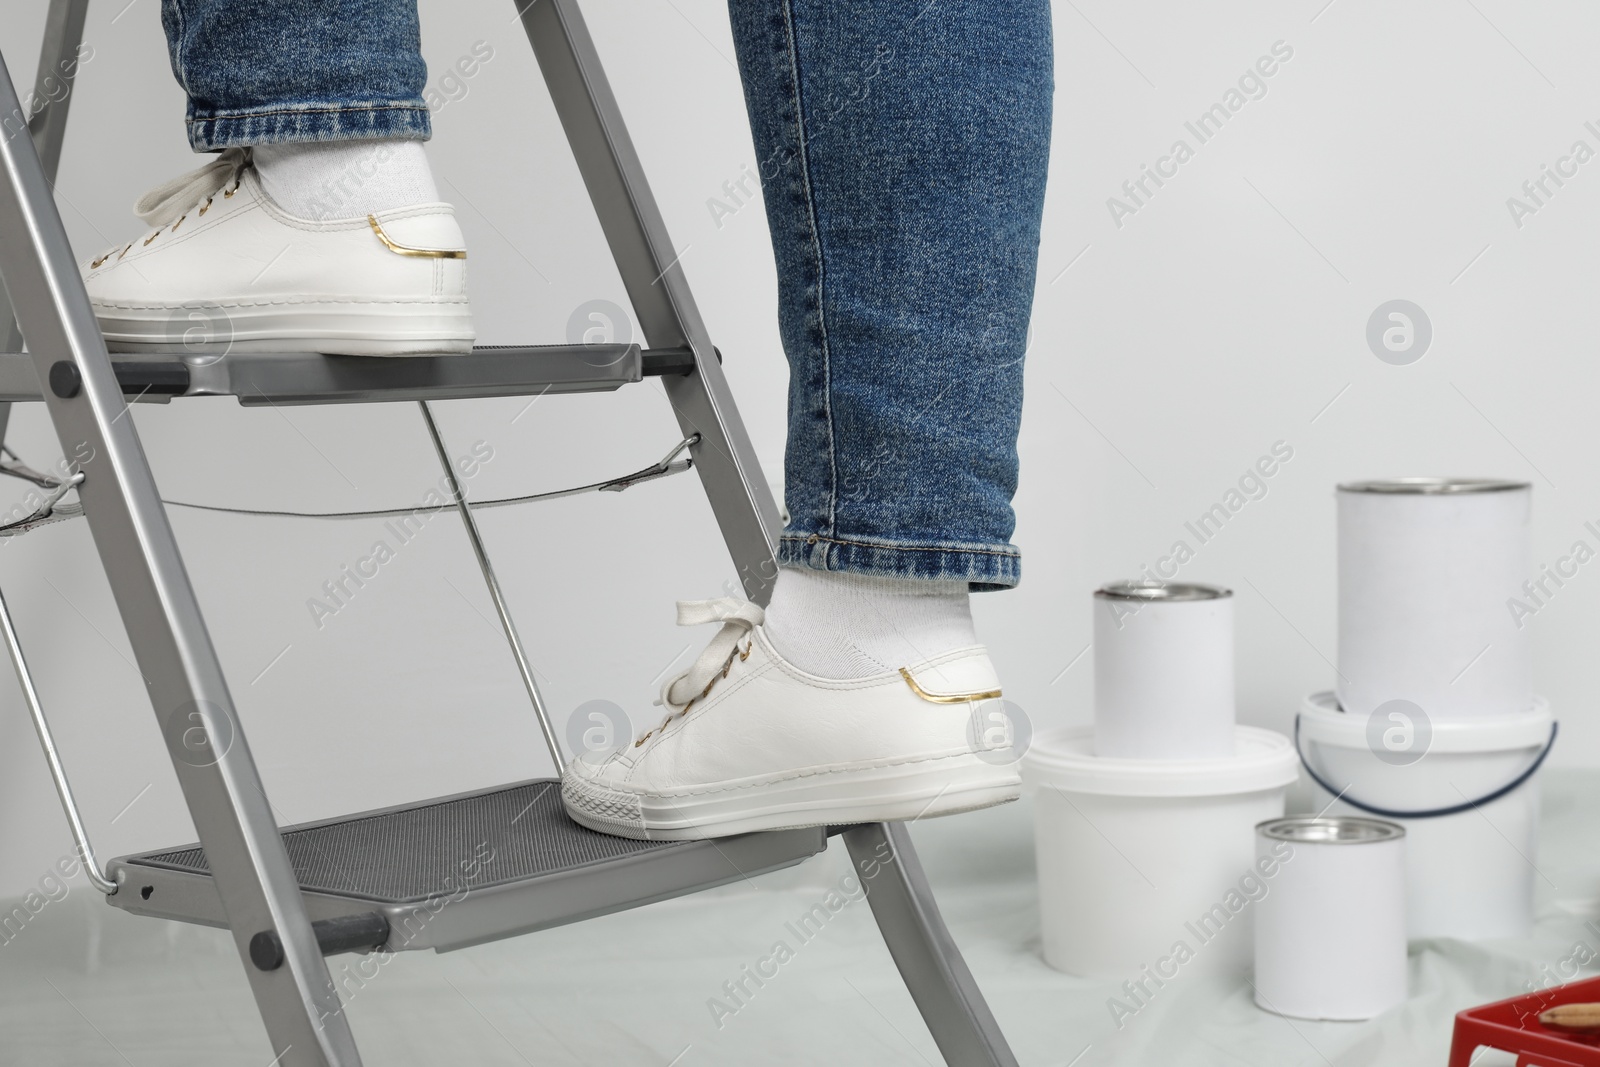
(943, 988)
(58, 772)
(493, 583)
(63, 34)
(58, 63)
(650, 270)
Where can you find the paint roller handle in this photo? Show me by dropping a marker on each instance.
(1434, 813)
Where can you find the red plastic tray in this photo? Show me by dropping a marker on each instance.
(1513, 1026)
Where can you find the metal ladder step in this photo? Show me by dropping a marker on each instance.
(280, 378)
(465, 869)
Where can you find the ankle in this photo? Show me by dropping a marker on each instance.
(840, 625)
(345, 179)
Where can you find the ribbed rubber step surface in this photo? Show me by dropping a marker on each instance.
(436, 848)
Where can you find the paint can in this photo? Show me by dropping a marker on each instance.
(1429, 570)
(1330, 936)
(1163, 671)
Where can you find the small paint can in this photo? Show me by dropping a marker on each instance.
(1163, 671)
(1330, 934)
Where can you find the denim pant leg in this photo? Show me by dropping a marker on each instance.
(282, 71)
(902, 150)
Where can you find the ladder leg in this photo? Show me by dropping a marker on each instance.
(183, 678)
(929, 961)
(52, 95)
(656, 286)
(52, 86)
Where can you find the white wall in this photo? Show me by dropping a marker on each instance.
(1168, 354)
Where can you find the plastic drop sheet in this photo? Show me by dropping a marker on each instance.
(643, 987)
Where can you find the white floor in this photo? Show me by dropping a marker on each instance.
(86, 985)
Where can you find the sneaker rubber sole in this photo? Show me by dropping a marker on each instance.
(352, 328)
(921, 789)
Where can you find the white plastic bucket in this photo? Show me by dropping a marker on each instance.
(1470, 874)
(1163, 671)
(1140, 857)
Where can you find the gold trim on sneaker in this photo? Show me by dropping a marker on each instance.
(419, 253)
(946, 698)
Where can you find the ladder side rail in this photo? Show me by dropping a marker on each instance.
(55, 80)
(53, 85)
(929, 961)
(174, 653)
(656, 285)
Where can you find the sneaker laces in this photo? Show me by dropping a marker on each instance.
(738, 618)
(171, 201)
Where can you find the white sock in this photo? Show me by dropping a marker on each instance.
(838, 625)
(345, 179)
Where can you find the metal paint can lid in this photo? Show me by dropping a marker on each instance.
(1160, 592)
(1433, 486)
(1330, 830)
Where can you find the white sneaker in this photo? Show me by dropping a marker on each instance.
(752, 743)
(229, 270)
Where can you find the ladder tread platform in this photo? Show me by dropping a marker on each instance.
(409, 854)
(477, 866)
(278, 378)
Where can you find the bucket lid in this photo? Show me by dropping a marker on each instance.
(1065, 759)
(1432, 486)
(1142, 589)
(1323, 721)
(1330, 830)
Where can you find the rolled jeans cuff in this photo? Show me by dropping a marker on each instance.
(983, 567)
(302, 123)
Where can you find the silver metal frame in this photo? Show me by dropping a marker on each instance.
(252, 887)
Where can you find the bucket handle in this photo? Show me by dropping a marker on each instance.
(1454, 809)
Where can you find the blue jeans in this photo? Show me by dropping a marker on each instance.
(902, 149)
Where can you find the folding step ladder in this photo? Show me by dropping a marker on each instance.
(404, 877)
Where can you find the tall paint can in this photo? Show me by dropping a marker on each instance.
(1429, 569)
(1330, 935)
(1163, 671)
